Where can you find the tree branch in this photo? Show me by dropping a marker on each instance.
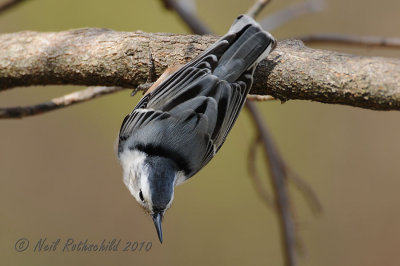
(369, 41)
(9, 4)
(195, 25)
(277, 169)
(101, 57)
(291, 13)
(260, 98)
(258, 6)
(257, 181)
(57, 103)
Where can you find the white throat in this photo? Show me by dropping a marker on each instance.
(135, 173)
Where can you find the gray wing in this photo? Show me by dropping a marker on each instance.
(173, 85)
(188, 126)
(190, 114)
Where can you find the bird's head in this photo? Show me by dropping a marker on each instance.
(151, 180)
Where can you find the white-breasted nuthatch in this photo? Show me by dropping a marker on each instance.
(177, 128)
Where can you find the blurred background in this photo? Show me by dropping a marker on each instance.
(59, 177)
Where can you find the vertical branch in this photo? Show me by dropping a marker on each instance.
(257, 182)
(278, 173)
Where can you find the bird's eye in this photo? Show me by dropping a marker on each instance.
(141, 196)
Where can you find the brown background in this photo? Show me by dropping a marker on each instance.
(60, 178)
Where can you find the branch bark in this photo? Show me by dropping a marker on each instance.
(101, 57)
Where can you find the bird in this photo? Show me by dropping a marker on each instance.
(180, 124)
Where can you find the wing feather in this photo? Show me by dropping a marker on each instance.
(189, 115)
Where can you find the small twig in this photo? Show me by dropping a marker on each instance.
(194, 24)
(9, 4)
(291, 13)
(57, 103)
(251, 165)
(305, 190)
(255, 10)
(332, 38)
(260, 98)
(278, 173)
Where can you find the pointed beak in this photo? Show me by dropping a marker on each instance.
(157, 219)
